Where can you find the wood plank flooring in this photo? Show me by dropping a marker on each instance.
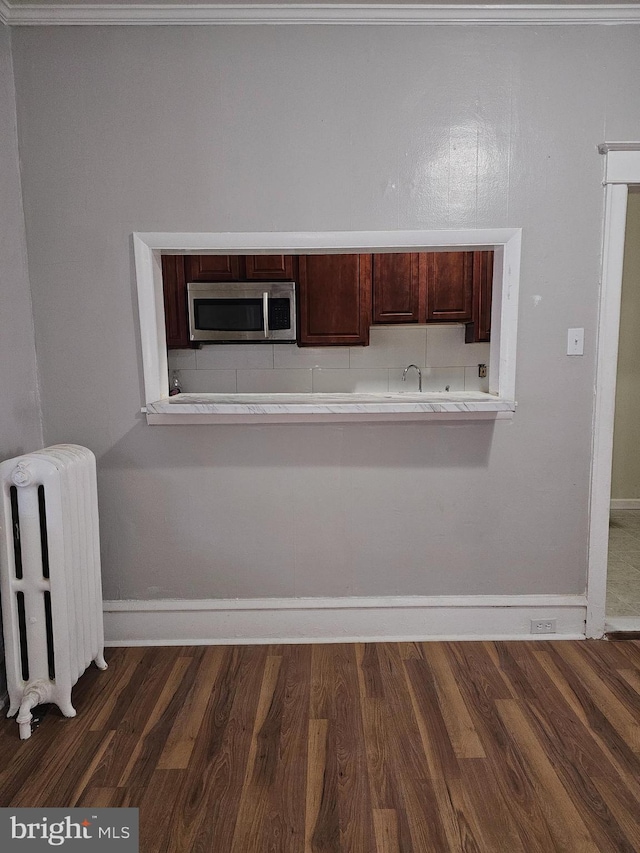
(510, 747)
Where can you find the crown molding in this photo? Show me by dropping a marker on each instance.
(158, 14)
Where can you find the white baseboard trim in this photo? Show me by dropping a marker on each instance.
(327, 620)
(621, 623)
(625, 503)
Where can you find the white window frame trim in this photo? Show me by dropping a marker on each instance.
(149, 247)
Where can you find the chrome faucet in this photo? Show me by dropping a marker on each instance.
(404, 375)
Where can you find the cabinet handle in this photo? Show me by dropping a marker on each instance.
(265, 313)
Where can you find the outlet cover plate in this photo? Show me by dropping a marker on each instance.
(543, 626)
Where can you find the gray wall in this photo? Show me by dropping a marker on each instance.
(314, 128)
(20, 423)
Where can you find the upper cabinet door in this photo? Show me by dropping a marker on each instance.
(175, 301)
(479, 331)
(397, 295)
(213, 268)
(449, 278)
(269, 267)
(334, 300)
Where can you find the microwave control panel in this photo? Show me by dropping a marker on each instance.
(279, 314)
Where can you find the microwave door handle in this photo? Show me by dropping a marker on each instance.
(265, 313)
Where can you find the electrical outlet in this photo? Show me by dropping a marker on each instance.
(543, 626)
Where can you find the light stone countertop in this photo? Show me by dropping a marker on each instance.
(283, 408)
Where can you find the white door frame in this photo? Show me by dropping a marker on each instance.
(621, 169)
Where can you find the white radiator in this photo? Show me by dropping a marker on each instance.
(49, 576)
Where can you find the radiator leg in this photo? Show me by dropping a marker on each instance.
(66, 707)
(99, 661)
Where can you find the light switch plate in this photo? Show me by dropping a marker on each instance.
(575, 342)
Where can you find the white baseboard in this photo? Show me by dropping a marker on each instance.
(621, 623)
(326, 620)
(625, 503)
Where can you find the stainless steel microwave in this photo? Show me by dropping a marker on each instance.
(242, 311)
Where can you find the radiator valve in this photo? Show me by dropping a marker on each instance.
(36, 694)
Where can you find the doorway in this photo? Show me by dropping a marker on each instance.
(622, 171)
(623, 565)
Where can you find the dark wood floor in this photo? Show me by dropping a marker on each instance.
(380, 748)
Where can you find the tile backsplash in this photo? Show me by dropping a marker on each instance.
(439, 351)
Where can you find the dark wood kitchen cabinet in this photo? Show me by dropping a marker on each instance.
(449, 284)
(479, 330)
(341, 296)
(397, 295)
(269, 267)
(334, 300)
(239, 267)
(213, 267)
(174, 288)
(433, 287)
